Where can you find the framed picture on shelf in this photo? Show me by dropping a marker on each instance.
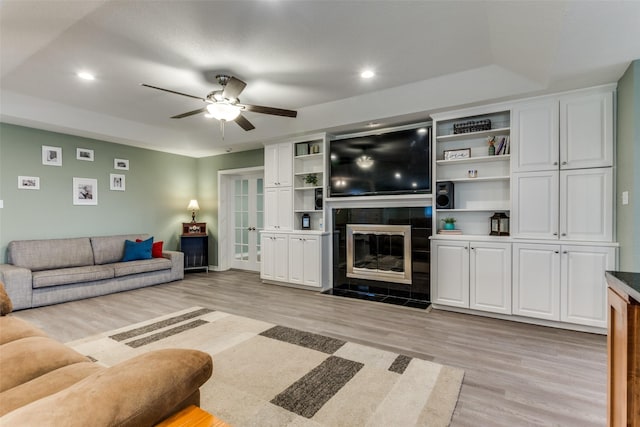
(51, 156)
(85, 191)
(302, 149)
(122, 164)
(117, 182)
(29, 182)
(462, 153)
(84, 154)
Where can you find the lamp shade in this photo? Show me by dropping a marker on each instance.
(223, 111)
(193, 206)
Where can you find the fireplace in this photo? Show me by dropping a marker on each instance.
(379, 252)
(382, 254)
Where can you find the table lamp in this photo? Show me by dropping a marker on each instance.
(193, 207)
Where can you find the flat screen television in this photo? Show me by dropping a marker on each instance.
(396, 162)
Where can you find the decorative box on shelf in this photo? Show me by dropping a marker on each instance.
(194, 228)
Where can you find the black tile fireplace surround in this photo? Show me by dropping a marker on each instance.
(417, 294)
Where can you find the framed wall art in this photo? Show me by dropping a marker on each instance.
(122, 164)
(462, 153)
(84, 154)
(51, 156)
(117, 182)
(29, 182)
(85, 191)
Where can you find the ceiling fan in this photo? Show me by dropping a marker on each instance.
(225, 105)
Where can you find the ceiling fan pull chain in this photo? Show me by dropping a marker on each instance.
(222, 128)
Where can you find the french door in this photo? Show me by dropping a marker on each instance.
(246, 221)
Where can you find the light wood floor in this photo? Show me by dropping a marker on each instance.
(515, 374)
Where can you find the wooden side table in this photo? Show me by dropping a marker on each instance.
(192, 416)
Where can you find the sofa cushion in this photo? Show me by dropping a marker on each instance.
(67, 276)
(137, 250)
(33, 356)
(156, 249)
(45, 385)
(109, 249)
(37, 255)
(141, 266)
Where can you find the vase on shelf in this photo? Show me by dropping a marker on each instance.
(449, 226)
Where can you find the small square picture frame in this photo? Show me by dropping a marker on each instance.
(121, 164)
(84, 154)
(51, 156)
(117, 182)
(462, 153)
(29, 182)
(85, 191)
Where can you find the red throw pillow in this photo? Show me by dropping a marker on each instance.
(156, 249)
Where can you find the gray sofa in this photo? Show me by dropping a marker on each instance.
(44, 272)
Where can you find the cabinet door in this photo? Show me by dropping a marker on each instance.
(296, 259)
(285, 164)
(534, 136)
(586, 204)
(451, 273)
(285, 208)
(312, 261)
(267, 264)
(278, 212)
(586, 130)
(583, 286)
(278, 165)
(490, 277)
(536, 281)
(534, 205)
(281, 257)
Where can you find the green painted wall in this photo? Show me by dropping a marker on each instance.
(158, 188)
(208, 168)
(628, 168)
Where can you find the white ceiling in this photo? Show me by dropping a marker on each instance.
(303, 55)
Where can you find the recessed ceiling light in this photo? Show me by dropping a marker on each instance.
(367, 74)
(86, 75)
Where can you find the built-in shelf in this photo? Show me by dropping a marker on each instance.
(308, 188)
(478, 179)
(309, 211)
(483, 159)
(470, 135)
(308, 156)
(495, 209)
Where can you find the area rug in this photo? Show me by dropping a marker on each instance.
(270, 375)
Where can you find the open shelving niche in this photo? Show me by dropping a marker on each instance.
(307, 161)
(475, 199)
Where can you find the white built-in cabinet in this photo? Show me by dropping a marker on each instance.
(277, 208)
(278, 165)
(566, 205)
(559, 177)
(561, 282)
(563, 132)
(274, 259)
(304, 259)
(472, 274)
(291, 254)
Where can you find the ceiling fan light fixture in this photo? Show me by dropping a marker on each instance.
(223, 111)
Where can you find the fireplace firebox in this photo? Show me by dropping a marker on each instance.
(379, 252)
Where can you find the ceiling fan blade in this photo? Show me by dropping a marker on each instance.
(269, 110)
(233, 88)
(172, 91)
(244, 123)
(190, 113)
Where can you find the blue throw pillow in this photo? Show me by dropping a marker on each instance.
(134, 251)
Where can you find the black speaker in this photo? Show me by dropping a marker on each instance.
(318, 199)
(444, 195)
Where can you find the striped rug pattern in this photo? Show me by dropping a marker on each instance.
(266, 374)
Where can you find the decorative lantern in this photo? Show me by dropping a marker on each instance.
(499, 224)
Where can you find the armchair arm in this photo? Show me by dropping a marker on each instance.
(137, 392)
(18, 284)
